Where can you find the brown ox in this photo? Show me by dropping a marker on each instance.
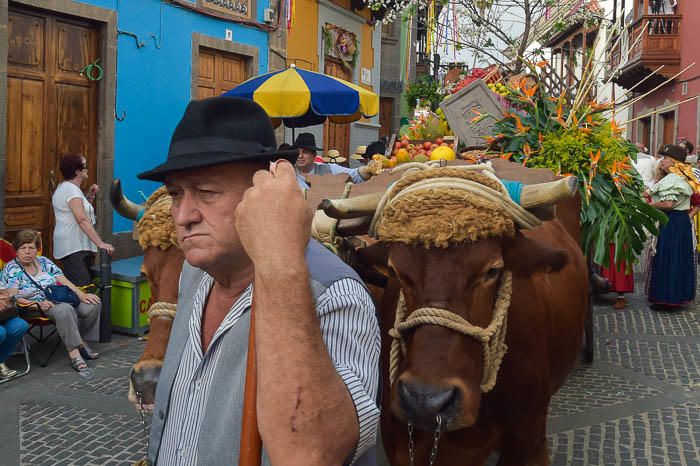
(440, 371)
(162, 264)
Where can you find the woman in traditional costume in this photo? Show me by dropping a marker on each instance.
(672, 280)
(620, 278)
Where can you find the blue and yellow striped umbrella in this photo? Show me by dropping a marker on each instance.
(304, 98)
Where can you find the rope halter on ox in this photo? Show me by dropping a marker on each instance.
(436, 207)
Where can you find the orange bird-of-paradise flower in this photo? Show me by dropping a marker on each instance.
(529, 92)
(522, 129)
(542, 64)
(590, 121)
(527, 150)
(596, 107)
(594, 165)
(540, 138)
(619, 175)
(615, 128)
(560, 114)
(492, 139)
(507, 156)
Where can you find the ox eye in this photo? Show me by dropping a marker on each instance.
(492, 273)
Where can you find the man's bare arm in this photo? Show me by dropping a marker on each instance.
(305, 411)
(306, 415)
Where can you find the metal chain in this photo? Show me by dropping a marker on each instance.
(144, 424)
(436, 440)
(411, 446)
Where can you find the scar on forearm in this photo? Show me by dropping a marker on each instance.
(296, 410)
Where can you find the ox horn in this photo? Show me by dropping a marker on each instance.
(354, 207)
(546, 194)
(121, 204)
(532, 197)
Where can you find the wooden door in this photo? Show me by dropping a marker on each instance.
(51, 110)
(336, 136)
(219, 72)
(386, 116)
(669, 122)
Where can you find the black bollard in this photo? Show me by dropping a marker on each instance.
(106, 287)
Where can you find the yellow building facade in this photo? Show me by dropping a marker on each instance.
(327, 36)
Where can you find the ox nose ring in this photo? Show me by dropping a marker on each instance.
(424, 403)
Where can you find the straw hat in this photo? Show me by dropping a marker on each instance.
(333, 156)
(359, 153)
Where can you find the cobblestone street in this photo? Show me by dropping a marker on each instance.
(638, 404)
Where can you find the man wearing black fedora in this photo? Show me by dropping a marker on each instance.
(244, 228)
(306, 165)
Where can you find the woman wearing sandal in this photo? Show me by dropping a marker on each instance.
(28, 275)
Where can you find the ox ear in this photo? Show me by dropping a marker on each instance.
(525, 256)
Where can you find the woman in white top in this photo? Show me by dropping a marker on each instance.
(74, 238)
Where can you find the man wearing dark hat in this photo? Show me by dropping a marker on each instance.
(244, 228)
(306, 165)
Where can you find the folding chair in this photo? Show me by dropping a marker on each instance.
(36, 318)
(25, 351)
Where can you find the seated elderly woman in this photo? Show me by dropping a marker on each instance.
(28, 275)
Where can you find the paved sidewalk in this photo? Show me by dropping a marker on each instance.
(638, 404)
(53, 416)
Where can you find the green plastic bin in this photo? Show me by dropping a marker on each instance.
(131, 296)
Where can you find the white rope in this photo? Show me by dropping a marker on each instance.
(521, 216)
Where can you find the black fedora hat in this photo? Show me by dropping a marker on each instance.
(220, 130)
(306, 141)
(675, 152)
(376, 147)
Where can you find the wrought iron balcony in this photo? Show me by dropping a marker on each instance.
(659, 45)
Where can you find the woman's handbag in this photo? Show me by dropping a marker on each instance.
(61, 294)
(55, 293)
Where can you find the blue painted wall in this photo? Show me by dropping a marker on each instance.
(154, 84)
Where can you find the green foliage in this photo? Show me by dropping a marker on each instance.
(426, 89)
(540, 132)
(620, 217)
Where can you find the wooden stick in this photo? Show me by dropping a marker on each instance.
(585, 75)
(622, 61)
(593, 74)
(596, 74)
(659, 110)
(634, 101)
(629, 49)
(624, 94)
(251, 443)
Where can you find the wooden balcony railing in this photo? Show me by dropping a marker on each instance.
(659, 45)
